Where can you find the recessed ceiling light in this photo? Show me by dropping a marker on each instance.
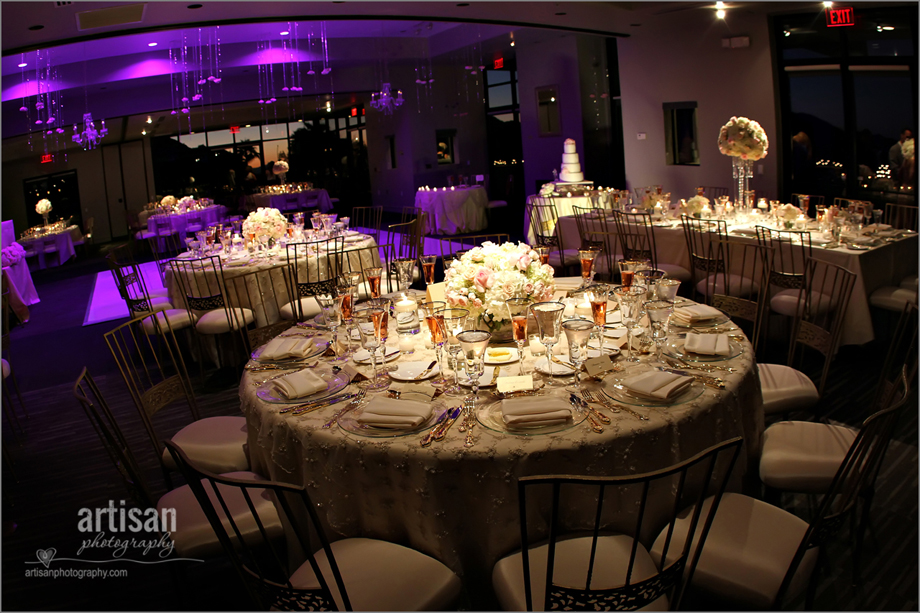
(285, 33)
(36, 28)
(888, 28)
(149, 119)
(23, 65)
(144, 132)
(195, 6)
(152, 44)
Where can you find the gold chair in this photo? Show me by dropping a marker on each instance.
(312, 268)
(264, 292)
(367, 218)
(901, 216)
(543, 219)
(752, 262)
(637, 239)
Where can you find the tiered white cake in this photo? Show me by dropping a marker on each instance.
(571, 166)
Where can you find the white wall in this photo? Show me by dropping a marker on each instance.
(679, 57)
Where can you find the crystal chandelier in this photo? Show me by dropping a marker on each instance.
(385, 101)
(90, 136)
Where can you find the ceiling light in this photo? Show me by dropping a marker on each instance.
(887, 28)
(23, 65)
(720, 13)
(285, 33)
(149, 119)
(152, 44)
(143, 132)
(720, 5)
(828, 5)
(787, 33)
(512, 43)
(248, 125)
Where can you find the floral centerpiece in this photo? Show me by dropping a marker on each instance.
(185, 203)
(265, 222)
(484, 277)
(280, 168)
(695, 205)
(168, 202)
(907, 148)
(43, 207)
(12, 255)
(744, 138)
(789, 213)
(547, 189)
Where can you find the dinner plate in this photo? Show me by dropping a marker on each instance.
(854, 247)
(234, 263)
(674, 347)
(618, 392)
(558, 370)
(357, 238)
(706, 323)
(513, 356)
(188, 255)
(334, 382)
(615, 333)
(490, 416)
(485, 380)
(363, 356)
(408, 371)
(317, 349)
(349, 423)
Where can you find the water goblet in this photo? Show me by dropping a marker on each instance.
(659, 315)
(430, 311)
(667, 289)
(877, 218)
(428, 262)
(577, 332)
(369, 322)
(453, 322)
(372, 276)
(345, 221)
(630, 299)
(518, 309)
(548, 316)
(587, 257)
(473, 344)
(405, 268)
(650, 278)
(331, 304)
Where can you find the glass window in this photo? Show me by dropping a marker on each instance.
(500, 96)
(882, 32)
(817, 128)
(252, 133)
(192, 140)
(807, 37)
(274, 150)
(504, 116)
(294, 126)
(680, 133)
(343, 134)
(220, 137)
(884, 108)
(497, 77)
(274, 131)
(446, 146)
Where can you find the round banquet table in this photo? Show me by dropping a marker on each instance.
(179, 221)
(460, 505)
(454, 211)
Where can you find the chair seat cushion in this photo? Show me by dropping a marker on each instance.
(910, 282)
(309, 305)
(178, 319)
(803, 456)
(570, 570)
(786, 302)
(747, 552)
(217, 321)
(158, 293)
(194, 537)
(739, 286)
(382, 576)
(214, 444)
(785, 389)
(157, 304)
(569, 257)
(893, 298)
(675, 272)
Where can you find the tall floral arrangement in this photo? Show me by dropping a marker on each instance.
(265, 222)
(280, 167)
(907, 148)
(43, 207)
(483, 278)
(168, 201)
(744, 138)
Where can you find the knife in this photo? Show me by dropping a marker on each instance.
(425, 372)
(495, 371)
(304, 407)
(426, 440)
(587, 407)
(454, 414)
(579, 404)
(568, 364)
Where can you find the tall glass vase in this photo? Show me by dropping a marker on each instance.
(742, 171)
(45, 217)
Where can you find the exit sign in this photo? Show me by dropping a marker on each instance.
(840, 16)
(499, 62)
(234, 129)
(47, 158)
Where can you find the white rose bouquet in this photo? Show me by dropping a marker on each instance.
(169, 201)
(789, 213)
(185, 203)
(12, 255)
(43, 207)
(696, 204)
(265, 222)
(280, 167)
(484, 277)
(744, 138)
(907, 148)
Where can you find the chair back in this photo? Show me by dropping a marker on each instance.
(901, 216)
(715, 192)
(823, 301)
(637, 236)
(262, 291)
(202, 284)
(902, 354)
(543, 220)
(790, 250)
(592, 227)
(599, 502)
(265, 573)
(406, 237)
(162, 224)
(153, 368)
(131, 285)
(410, 213)
(706, 240)
(359, 259)
(313, 268)
(751, 262)
(113, 440)
(367, 218)
(452, 245)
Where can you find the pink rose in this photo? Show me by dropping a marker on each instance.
(528, 288)
(477, 303)
(523, 261)
(483, 279)
(461, 301)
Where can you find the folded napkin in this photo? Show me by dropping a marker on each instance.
(745, 231)
(881, 226)
(819, 239)
(862, 240)
(282, 348)
(531, 412)
(567, 283)
(657, 385)
(414, 391)
(695, 313)
(298, 384)
(395, 414)
(707, 344)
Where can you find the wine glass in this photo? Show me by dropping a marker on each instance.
(454, 322)
(597, 295)
(587, 257)
(369, 323)
(548, 316)
(405, 268)
(577, 332)
(667, 289)
(428, 262)
(473, 344)
(372, 276)
(650, 279)
(630, 299)
(384, 304)
(628, 270)
(877, 218)
(659, 315)
(543, 254)
(331, 304)
(348, 291)
(431, 312)
(517, 308)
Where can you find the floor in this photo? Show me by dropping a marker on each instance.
(57, 467)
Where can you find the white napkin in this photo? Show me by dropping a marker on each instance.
(396, 414)
(657, 384)
(707, 344)
(819, 239)
(695, 313)
(281, 348)
(532, 412)
(745, 231)
(881, 226)
(298, 384)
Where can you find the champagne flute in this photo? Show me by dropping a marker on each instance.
(543, 254)
(597, 295)
(384, 304)
(667, 289)
(577, 332)
(454, 322)
(517, 308)
(404, 272)
(587, 257)
(627, 271)
(331, 304)
(434, 319)
(659, 315)
(630, 299)
(548, 316)
(372, 276)
(428, 262)
(369, 322)
(348, 291)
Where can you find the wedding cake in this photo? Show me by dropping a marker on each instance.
(571, 166)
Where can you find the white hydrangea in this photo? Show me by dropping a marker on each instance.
(744, 138)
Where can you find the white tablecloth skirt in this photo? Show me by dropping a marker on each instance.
(454, 212)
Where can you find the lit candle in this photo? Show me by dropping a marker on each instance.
(404, 305)
(706, 210)
(536, 347)
(451, 188)
(583, 309)
(407, 344)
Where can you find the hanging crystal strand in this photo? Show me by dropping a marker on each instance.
(325, 39)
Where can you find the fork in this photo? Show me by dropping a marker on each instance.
(598, 399)
(468, 405)
(348, 407)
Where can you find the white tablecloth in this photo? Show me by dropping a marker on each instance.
(53, 249)
(454, 212)
(179, 221)
(18, 275)
(296, 201)
(461, 505)
(885, 265)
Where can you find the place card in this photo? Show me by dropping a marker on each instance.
(436, 292)
(514, 384)
(423, 392)
(595, 367)
(353, 373)
(559, 295)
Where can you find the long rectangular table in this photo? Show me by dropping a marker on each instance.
(295, 201)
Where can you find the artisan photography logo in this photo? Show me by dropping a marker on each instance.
(111, 535)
